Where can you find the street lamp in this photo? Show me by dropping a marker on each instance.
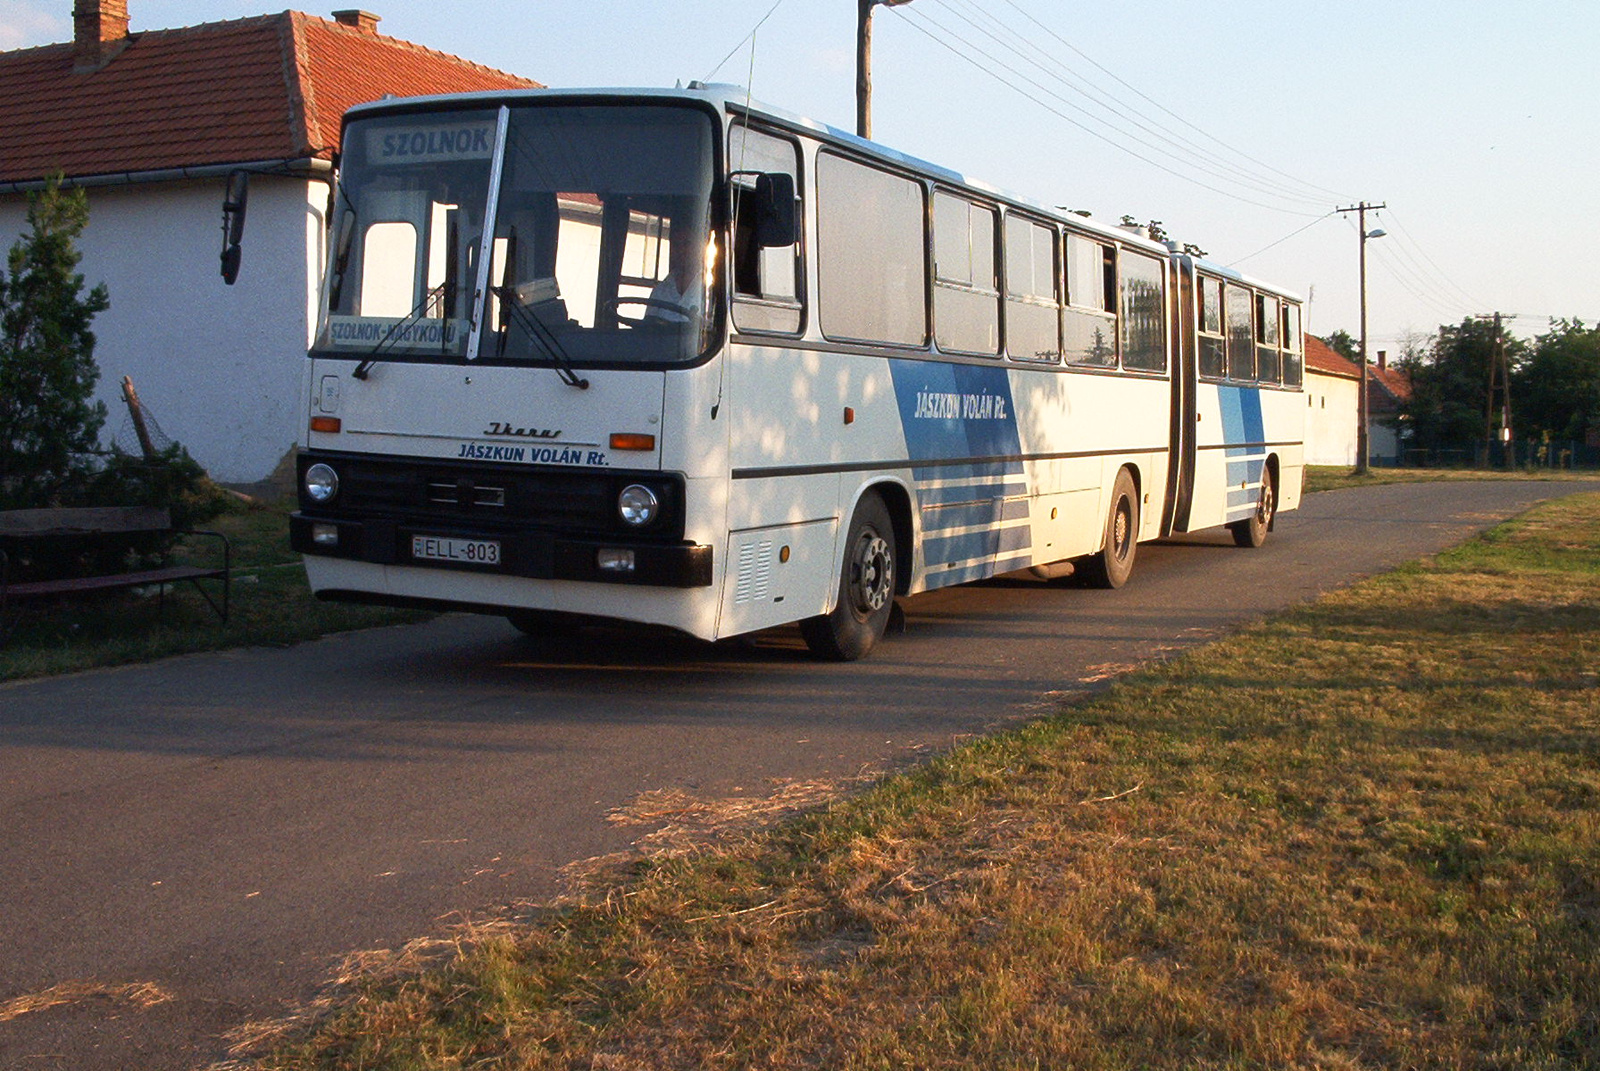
(864, 62)
(1363, 428)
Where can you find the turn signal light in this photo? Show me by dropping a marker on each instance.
(627, 440)
(325, 423)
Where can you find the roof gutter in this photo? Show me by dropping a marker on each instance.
(311, 167)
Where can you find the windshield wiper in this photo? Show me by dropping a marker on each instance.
(537, 330)
(529, 322)
(365, 367)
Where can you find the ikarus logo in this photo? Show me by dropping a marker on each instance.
(498, 430)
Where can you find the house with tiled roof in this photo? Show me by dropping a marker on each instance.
(1332, 386)
(1333, 390)
(152, 124)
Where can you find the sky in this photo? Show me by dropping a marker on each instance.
(1242, 127)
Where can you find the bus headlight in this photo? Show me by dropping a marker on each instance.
(321, 482)
(638, 505)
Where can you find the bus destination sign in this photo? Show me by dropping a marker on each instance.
(390, 146)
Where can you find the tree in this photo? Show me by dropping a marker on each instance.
(1449, 385)
(1556, 391)
(49, 422)
(1345, 345)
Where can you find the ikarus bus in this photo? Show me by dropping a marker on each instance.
(678, 358)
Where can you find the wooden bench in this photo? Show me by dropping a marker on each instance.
(102, 521)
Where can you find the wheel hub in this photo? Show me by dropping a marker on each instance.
(871, 573)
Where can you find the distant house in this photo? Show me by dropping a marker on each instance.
(1333, 386)
(152, 124)
(1388, 389)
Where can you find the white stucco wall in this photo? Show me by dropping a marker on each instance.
(220, 367)
(1384, 444)
(1331, 419)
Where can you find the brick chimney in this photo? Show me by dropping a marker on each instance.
(1383, 359)
(99, 32)
(365, 21)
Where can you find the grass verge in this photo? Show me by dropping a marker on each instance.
(1337, 477)
(1365, 834)
(271, 605)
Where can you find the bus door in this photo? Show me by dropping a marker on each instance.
(1181, 462)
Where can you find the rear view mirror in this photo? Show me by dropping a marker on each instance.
(233, 208)
(776, 222)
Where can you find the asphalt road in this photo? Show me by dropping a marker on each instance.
(227, 826)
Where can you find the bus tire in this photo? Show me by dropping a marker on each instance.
(866, 588)
(1253, 532)
(1113, 564)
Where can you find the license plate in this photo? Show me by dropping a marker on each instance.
(460, 551)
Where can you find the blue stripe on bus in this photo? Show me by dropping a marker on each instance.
(944, 578)
(950, 413)
(969, 515)
(1241, 414)
(954, 411)
(1002, 486)
(985, 544)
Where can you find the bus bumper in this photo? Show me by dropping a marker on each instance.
(532, 554)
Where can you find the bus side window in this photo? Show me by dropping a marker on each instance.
(1213, 345)
(966, 293)
(1293, 358)
(767, 281)
(1033, 321)
(1144, 313)
(1268, 369)
(1089, 320)
(872, 275)
(1241, 334)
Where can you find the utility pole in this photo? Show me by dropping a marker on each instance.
(1499, 382)
(1363, 414)
(864, 62)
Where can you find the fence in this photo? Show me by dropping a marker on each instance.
(1528, 454)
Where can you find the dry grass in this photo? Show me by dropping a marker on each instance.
(1366, 835)
(138, 994)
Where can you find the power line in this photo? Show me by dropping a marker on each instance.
(1055, 110)
(1405, 234)
(1133, 89)
(1252, 183)
(1025, 48)
(1280, 241)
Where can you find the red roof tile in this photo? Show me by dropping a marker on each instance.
(1386, 386)
(1323, 358)
(271, 87)
(1393, 380)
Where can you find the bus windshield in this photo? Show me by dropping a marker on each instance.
(600, 249)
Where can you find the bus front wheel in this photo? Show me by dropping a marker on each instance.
(866, 588)
(1112, 566)
(1253, 532)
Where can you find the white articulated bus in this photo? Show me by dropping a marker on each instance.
(676, 358)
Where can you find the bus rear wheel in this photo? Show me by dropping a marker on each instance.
(866, 588)
(1253, 532)
(1111, 567)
